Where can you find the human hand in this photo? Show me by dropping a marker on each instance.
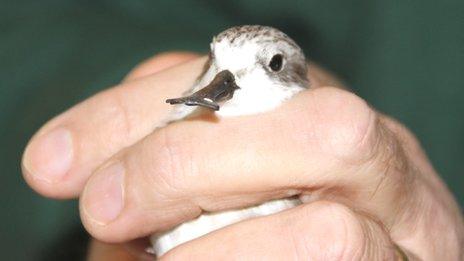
(369, 182)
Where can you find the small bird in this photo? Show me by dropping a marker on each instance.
(250, 69)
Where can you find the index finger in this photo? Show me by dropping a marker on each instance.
(61, 156)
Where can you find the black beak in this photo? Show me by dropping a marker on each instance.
(221, 88)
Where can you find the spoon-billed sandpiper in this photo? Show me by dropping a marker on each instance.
(251, 69)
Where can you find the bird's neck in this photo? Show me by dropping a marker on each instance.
(257, 99)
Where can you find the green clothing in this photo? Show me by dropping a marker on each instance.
(405, 57)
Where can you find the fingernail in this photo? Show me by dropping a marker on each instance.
(49, 156)
(104, 194)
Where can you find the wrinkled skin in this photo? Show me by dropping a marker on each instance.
(371, 184)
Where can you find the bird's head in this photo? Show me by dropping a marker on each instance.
(265, 65)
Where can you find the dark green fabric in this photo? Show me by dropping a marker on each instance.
(405, 57)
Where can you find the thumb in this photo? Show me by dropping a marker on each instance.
(317, 231)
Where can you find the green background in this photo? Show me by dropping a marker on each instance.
(405, 57)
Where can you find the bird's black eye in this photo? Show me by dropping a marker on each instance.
(276, 62)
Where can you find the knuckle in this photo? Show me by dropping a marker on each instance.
(111, 106)
(391, 161)
(331, 232)
(169, 160)
(346, 123)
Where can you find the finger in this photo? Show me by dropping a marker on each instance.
(326, 142)
(61, 156)
(158, 63)
(317, 231)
